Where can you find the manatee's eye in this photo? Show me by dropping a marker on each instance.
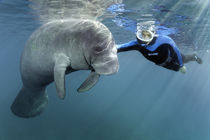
(98, 49)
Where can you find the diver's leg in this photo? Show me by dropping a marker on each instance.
(191, 57)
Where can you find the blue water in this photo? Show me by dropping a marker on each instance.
(141, 102)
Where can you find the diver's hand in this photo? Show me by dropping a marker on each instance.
(183, 69)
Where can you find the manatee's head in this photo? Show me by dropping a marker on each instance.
(100, 49)
(104, 58)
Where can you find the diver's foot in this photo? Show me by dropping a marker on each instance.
(198, 59)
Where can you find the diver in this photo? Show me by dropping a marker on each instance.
(159, 49)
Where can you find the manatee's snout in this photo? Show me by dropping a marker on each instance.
(104, 58)
(107, 67)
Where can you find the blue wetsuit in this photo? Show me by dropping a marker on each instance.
(162, 50)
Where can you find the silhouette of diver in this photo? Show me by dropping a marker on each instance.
(159, 49)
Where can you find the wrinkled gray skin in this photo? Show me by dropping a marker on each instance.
(58, 48)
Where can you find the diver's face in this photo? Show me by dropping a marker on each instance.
(145, 34)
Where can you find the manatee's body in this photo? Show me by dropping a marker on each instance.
(58, 48)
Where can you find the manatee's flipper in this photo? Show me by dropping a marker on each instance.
(29, 102)
(61, 64)
(89, 82)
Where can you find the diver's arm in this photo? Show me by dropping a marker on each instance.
(177, 53)
(177, 61)
(172, 66)
(181, 67)
(132, 45)
(167, 57)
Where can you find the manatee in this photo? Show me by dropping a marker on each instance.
(58, 48)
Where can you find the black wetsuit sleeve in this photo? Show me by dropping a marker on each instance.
(133, 47)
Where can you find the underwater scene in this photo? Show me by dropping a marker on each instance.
(134, 98)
